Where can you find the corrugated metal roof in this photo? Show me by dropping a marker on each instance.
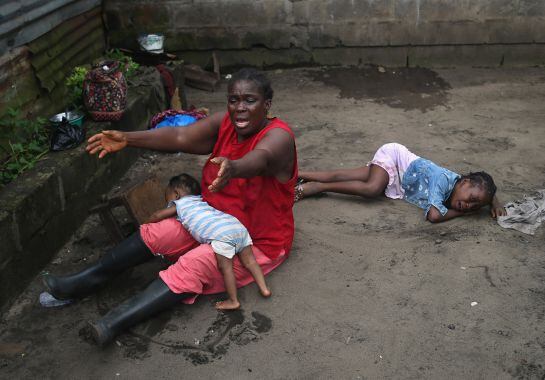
(78, 40)
(26, 20)
(32, 76)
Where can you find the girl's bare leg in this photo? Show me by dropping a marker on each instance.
(226, 267)
(247, 258)
(372, 187)
(339, 175)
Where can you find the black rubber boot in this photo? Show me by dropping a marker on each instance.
(155, 298)
(130, 252)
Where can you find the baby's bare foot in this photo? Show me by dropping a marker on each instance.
(265, 292)
(227, 305)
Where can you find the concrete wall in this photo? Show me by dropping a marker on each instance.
(44, 206)
(311, 31)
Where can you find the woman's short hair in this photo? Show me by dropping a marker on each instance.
(256, 76)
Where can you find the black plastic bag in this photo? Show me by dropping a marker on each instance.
(66, 136)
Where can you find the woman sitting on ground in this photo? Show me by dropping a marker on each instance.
(251, 174)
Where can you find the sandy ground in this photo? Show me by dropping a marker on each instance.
(371, 289)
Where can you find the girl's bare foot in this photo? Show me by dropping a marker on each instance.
(265, 292)
(298, 192)
(310, 188)
(307, 189)
(227, 305)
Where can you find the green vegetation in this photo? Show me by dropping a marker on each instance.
(24, 143)
(126, 62)
(74, 83)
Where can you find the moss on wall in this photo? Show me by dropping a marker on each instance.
(33, 76)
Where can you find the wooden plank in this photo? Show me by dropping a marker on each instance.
(144, 199)
(201, 79)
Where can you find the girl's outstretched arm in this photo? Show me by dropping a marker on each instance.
(434, 216)
(159, 215)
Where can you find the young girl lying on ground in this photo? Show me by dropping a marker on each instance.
(225, 234)
(398, 173)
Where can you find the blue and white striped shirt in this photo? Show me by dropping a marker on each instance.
(206, 224)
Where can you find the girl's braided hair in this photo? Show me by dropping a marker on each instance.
(483, 180)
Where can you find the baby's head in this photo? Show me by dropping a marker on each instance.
(472, 191)
(180, 186)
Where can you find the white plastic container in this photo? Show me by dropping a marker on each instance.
(152, 43)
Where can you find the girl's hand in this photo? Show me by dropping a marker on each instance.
(496, 211)
(225, 173)
(106, 142)
(496, 208)
(153, 218)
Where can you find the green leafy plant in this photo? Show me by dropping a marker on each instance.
(127, 63)
(24, 142)
(74, 83)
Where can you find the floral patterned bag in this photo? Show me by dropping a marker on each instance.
(105, 92)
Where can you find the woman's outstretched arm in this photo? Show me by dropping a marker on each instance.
(273, 156)
(197, 138)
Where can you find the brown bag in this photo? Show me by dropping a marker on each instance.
(105, 92)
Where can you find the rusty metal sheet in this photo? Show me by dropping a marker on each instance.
(75, 42)
(24, 21)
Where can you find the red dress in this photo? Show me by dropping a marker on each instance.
(263, 204)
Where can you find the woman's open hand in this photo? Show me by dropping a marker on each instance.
(225, 173)
(106, 142)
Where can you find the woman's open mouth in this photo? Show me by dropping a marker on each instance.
(241, 123)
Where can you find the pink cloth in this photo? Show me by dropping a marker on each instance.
(167, 239)
(395, 159)
(195, 271)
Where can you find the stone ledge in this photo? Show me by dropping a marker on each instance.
(43, 207)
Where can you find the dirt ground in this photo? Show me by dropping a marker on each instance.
(371, 290)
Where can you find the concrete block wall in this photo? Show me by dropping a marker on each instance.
(310, 31)
(44, 206)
